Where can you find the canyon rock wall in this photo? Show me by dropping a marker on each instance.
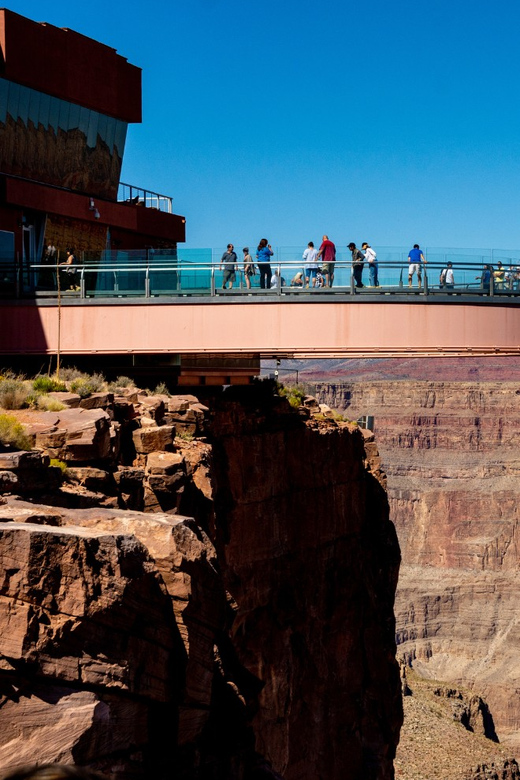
(238, 625)
(451, 453)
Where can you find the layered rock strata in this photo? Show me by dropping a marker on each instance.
(240, 627)
(451, 452)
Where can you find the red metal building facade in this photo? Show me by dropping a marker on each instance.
(65, 105)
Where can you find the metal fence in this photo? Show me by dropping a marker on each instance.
(200, 272)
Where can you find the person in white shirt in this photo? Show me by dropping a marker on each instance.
(447, 279)
(277, 280)
(311, 266)
(370, 257)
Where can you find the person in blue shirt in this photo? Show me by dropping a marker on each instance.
(485, 278)
(415, 263)
(263, 258)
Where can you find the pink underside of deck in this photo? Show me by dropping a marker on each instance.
(328, 329)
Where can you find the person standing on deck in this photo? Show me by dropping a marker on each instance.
(327, 250)
(415, 263)
(357, 264)
(229, 262)
(371, 258)
(263, 259)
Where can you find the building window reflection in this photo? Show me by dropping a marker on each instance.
(51, 140)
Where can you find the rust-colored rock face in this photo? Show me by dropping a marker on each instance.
(310, 558)
(451, 452)
(240, 628)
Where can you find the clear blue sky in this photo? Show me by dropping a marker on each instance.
(388, 122)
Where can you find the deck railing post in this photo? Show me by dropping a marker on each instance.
(18, 276)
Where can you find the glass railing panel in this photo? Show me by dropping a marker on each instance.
(173, 272)
(112, 282)
(195, 270)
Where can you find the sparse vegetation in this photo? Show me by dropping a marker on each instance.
(48, 404)
(341, 418)
(184, 435)
(294, 394)
(120, 383)
(161, 389)
(12, 433)
(68, 374)
(59, 464)
(85, 385)
(47, 384)
(14, 393)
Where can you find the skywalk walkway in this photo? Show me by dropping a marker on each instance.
(170, 306)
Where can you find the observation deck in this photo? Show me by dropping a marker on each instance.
(171, 302)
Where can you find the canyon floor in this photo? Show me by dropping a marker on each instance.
(434, 745)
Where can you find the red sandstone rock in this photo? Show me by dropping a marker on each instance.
(303, 684)
(97, 401)
(148, 440)
(152, 406)
(71, 400)
(450, 450)
(290, 501)
(186, 561)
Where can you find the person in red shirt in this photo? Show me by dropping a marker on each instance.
(327, 250)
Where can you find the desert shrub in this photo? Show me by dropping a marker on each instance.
(85, 385)
(47, 404)
(68, 374)
(161, 389)
(184, 435)
(47, 384)
(13, 393)
(82, 386)
(58, 464)
(32, 399)
(121, 382)
(294, 394)
(12, 433)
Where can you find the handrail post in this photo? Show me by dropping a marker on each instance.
(82, 285)
(213, 291)
(491, 285)
(17, 276)
(352, 285)
(279, 278)
(425, 282)
(147, 283)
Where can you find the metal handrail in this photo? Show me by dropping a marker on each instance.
(176, 277)
(138, 196)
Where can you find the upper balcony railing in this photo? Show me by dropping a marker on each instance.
(137, 196)
(155, 273)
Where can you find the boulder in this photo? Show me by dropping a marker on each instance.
(90, 654)
(92, 478)
(152, 406)
(311, 403)
(71, 400)
(148, 440)
(123, 409)
(165, 463)
(112, 618)
(97, 401)
(67, 725)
